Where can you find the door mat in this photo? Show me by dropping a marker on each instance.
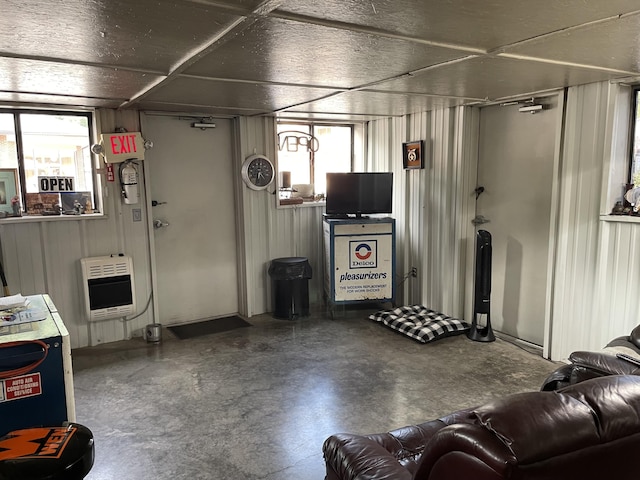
(217, 325)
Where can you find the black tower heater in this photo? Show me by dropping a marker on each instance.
(482, 293)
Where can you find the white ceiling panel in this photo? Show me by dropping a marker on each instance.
(50, 78)
(263, 97)
(145, 35)
(328, 117)
(198, 109)
(492, 78)
(377, 103)
(614, 44)
(11, 99)
(481, 24)
(278, 50)
(252, 57)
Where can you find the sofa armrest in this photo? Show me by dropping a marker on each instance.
(603, 363)
(468, 440)
(634, 337)
(350, 457)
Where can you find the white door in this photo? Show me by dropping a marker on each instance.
(191, 171)
(515, 167)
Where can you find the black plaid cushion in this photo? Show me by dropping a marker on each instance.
(420, 323)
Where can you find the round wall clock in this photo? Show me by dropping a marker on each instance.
(257, 172)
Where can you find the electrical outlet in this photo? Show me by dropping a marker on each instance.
(414, 272)
(137, 214)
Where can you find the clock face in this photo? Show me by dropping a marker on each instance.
(257, 172)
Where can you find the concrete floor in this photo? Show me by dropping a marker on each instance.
(258, 402)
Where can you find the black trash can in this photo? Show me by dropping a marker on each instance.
(290, 287)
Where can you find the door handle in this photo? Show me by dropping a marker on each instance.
(159, 224)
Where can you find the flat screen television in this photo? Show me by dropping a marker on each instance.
(359, 193)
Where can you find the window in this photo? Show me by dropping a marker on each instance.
(47, 144)
(634, 164)
(306, 152)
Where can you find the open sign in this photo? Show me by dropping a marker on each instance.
(56, 184)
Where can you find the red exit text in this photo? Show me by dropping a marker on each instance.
(123, 144)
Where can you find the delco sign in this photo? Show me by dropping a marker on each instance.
(56, 184)
(363, 254)
(118, 147)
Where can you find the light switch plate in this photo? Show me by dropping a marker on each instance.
(137, 214)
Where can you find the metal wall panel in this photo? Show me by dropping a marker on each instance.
(433, 206)
(268, 232)
(596, 265)
(617, 282)
(595, 293)
(44, 256)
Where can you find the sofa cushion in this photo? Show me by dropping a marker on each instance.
(538, 425)
(586, 431)
(420, 323)
(609, 400)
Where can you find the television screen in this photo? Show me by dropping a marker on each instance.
(359, 193)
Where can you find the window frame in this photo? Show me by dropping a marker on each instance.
(635, 118)
(21, 168)
(311, 126)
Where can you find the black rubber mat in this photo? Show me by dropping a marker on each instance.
(208, 327)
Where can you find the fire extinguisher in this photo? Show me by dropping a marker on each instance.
(129, 181)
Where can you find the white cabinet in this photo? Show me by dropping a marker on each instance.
(359, 259)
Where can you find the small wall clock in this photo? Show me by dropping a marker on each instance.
(257, 172)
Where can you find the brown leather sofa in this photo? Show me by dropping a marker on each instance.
(586, 431)
(584, 365)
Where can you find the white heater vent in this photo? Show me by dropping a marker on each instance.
(109, 289)
(109, 269)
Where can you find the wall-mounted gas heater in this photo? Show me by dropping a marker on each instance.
(109, 290)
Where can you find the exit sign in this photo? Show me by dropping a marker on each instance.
(118, 147)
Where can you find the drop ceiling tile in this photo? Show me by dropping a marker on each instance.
(256, 96)
(287, 51)
(138, 34)
(492, 78)
(463, 22)
(37, 77)
(375, 103)
(614, 44)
